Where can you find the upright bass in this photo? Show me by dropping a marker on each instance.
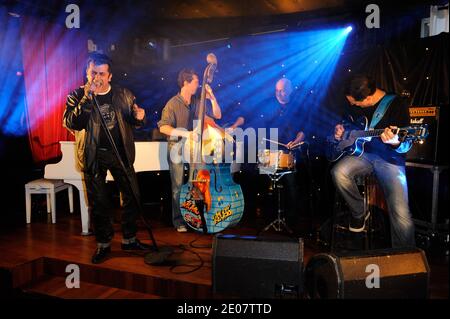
(210, 201)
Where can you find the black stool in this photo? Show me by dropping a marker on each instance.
(364, 183)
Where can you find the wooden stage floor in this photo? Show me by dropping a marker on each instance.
(34, 259)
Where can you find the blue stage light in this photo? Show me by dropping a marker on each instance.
(308, 58)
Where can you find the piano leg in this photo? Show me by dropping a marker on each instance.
(49, 204)
(28, 205)
(53, 206)
(70, 191)
(85, 220)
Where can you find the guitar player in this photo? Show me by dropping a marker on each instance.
(384, 156)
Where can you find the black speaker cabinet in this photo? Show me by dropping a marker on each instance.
(428, 193)
(376, 274)
(433, 150)
(257, 267)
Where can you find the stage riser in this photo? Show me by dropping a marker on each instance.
(31, 272)
(26, 273)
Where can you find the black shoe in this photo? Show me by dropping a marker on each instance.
(100, 255)
(136, 245)
(358, 225)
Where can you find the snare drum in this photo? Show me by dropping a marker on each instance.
(276, 160)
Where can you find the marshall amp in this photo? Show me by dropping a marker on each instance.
(432, 150)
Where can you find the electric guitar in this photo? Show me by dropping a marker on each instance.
(353, 140)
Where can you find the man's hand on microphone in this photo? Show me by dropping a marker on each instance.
(90, 89)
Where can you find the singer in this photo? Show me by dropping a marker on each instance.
(95, 155)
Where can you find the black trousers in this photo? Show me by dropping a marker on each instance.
(100, 200)
(291, 198)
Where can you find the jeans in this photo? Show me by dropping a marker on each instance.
(100, 202)
(176, 180)
(392, 180)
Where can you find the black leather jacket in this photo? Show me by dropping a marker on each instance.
(81, 117)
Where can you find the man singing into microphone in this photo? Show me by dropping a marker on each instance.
(95, 154)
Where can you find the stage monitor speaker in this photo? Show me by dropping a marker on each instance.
(376, 274)
(432, 151)
(257, 267)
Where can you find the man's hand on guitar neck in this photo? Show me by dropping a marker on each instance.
(388, 136)
(217, 113)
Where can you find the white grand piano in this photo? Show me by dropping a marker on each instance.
(150, 156)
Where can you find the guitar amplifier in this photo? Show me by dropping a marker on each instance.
(432, 150)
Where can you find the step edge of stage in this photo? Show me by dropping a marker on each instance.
(37, 288)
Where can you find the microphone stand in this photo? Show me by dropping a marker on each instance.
(159, 255)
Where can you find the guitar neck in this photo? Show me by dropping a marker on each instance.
(371, 133)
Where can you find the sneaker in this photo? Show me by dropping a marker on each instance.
(181, 229)
(357, 225)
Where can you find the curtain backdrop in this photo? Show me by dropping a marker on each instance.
(53, 61)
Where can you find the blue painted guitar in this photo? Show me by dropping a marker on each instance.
(353, 140)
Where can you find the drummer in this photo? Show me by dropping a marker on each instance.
(281, 112)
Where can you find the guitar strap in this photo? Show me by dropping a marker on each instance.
(381, 110)
(378, 115)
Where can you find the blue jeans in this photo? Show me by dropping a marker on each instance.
(392, 180)
(176, 179)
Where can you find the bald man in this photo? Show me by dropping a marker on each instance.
(288, 133)
(282, 112)
(283, 90)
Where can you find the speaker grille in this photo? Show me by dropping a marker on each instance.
(403, 273)
(257, 267)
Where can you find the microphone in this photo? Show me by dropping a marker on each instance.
(93, 86)
(89, 92)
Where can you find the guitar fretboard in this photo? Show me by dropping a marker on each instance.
(371, 133)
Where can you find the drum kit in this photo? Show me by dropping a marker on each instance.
(275, 164)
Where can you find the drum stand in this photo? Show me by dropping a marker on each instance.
(279, 223)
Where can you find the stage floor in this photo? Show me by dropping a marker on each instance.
(34, 259)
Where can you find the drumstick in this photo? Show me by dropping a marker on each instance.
(275, 142)
(285, 145)
(298, 144)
